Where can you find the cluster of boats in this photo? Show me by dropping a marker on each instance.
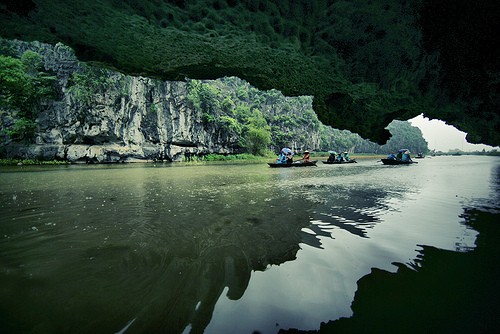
(285, 159)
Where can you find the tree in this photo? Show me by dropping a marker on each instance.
(15, 83)
(88, 82)
(23, 85)
(404, 135)
(257, 137)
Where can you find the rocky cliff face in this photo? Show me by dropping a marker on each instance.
(133, 118)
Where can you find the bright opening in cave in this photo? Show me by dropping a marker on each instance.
(446, 138)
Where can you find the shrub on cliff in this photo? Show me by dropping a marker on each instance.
(23, 85)
(89, 81)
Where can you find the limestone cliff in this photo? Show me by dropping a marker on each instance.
(126, 119)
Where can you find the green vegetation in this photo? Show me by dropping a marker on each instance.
(232, 157)
(404, 135)
(228, 110)
(22, 129)
(13, 162)
(89, 81)
(262, 120)
(257, 136)
(24, 85)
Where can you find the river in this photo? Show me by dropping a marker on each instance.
(242, 248)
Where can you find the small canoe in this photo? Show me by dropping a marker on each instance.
(340, 162)
(397, 162)
(295, 164)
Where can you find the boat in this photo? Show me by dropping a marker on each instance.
(295, 164)
(340, 162)
(397, 162)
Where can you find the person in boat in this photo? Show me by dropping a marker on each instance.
(399, 156)
(406, 156)
(346, 156)
(331, 157)
(289, 158)
(339, 157)
(391, 156)
(306, 157)
(281, 159)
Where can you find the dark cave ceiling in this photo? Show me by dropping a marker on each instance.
(365, 62)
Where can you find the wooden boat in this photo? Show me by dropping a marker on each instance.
(340, 162)
(295, 164)
(397, 162)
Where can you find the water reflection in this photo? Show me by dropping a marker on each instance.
(400, 210)
(152, 248)
(440, 291)
(149, 249)
(356, 211)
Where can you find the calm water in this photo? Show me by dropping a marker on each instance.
(222, 248)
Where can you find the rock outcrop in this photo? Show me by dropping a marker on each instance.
(132, 119)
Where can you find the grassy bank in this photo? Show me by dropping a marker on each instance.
(14, 162)
(234, 158)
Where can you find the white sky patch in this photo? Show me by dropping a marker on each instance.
(444, 137)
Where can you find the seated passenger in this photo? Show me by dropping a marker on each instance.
(346, 156)
(289, 158)
(281, 159)
(406, 156)
(306, 157)
(331, 157)
(391, 156)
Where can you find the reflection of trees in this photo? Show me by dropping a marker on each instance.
(185, 288)
(201, 260)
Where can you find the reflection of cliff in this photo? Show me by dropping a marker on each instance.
(441, 292)
(185, 290)
(201, 263)
(203, 257)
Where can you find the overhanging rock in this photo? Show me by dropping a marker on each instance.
(365, 63)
